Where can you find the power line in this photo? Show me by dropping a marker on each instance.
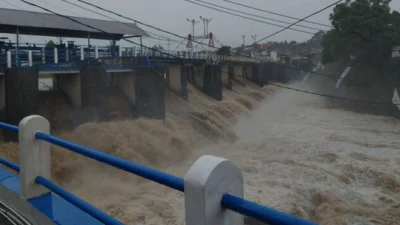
(89, 26)
(288, 27)
(101, 14)
(328, 96)
(250, 14)
(332, 96)
(185, 38)
(57, 6)
(202, 44)
(308, 92)
(278, 14)
(321, 74)
(245, 17)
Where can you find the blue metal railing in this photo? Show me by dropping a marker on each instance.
(46, 55)
(228, 201)
(145, 172)
(5, 162)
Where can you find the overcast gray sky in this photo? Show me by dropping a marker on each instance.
(171, 15)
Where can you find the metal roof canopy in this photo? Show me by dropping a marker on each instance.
(44, 24)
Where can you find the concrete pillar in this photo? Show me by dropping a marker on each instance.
(44, 55)
(96, 51)
(150, 93)
(21, 95)
(70, 84)
(82, 53)
(205, 183)
(94, 81)
(269, 72)
(9, 65)
(30, 58)
(198, 75)
(126, 81)
(212, 84)
(34, 156)
(258, 75)
(55, 55)
(248, 70)
(177, 79)
(226, 71)
(239, 74)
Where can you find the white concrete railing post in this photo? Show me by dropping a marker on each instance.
(34, 156)
(206, 182)
(30, 58)
(9, 59)
(67, 55)
(96, 51)
(55, 55)
(44, 55)
(82, 53)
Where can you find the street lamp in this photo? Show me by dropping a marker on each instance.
(194, 22)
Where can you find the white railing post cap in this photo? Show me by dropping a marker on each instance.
(205, 183)
(34, 155)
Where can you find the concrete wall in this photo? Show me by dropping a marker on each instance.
(361, 85)
(21, 95)
(276, 73)
(70, 84)
(126, 81)
(226, 71)
(150, 93)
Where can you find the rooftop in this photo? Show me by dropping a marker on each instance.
(45, 24)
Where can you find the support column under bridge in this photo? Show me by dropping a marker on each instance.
(177, 77)
(226, 75)
(239, 74)
(212, 84)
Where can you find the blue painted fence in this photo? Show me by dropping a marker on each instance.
(228, 201)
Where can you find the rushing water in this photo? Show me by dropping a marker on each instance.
(331, 166)
(326, 165)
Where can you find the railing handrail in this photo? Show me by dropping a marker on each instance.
(228, 200)
(145, 172)
(56, 54)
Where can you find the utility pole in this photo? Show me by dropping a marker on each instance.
(206, 21)
(244, 38)
(193, 22)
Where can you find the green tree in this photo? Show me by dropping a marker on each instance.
(364, 32)
(50, 44)
(224, 50)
